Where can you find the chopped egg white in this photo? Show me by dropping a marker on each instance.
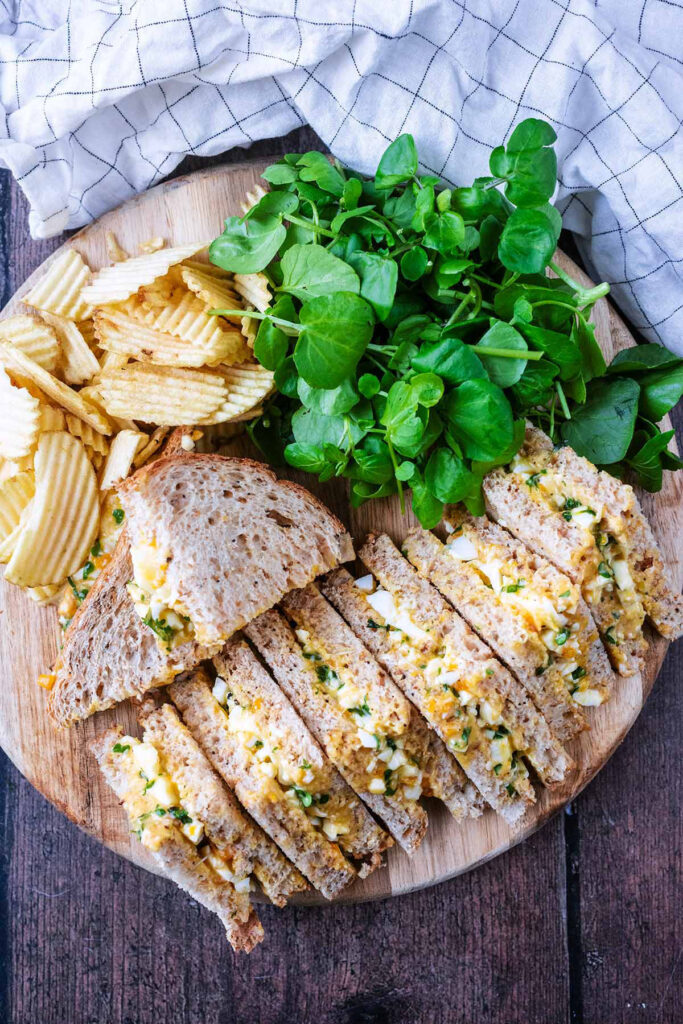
(164, 791)
(376, 786)
(385, 605)
(186, 443)
(220, 690)
(366, 584)
(147, 759)
(194, 830)
(461, 548)
(588, 698)
(367, 739)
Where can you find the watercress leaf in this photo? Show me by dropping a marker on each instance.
(401, 208)
(405, 470)
(271, 345)
(317, 168)
(528, 241)
(592, 360)
(490, 231)
(481, 467)
(558, 347)
(534, 176)
(351, 193)
(424, 205)
(414, 263)
(268, 432)
(445, 232)
(480, 419)
(642, 358)
(427, 508)
(500, 163)
(406, 304)
(280, 174)
(398, 163)
(336, 331)
(530, 134)
(246, 247)
(502, 370)
(309, 270)
(401, 359)
(451, 359)
(378, 278)
(402, 416)
(368, 385)
(447, 475)
(475, 203)
(411, 328)
(318, 428)
(328, 401)
(286, 377)
(660, 390)
(601, 430)
(309, 457)
(443, 200)
(523, 310)
(427, 388)
(646, 460)
(341, 218)
(375, 467)
(296, 235)
(362, 491)
(273, 203)
(551, 290)
(535, 384)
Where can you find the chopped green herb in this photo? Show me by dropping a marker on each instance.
(512, 588)
(181, 815)
(578, 673)
(510, 789)
(565, 593)
(321, 798)
(497, 768)
(118, 515)
(88, 569)
(362, 710)
(610, 637)
(121, 748)
(96, 549)
(305, 765)
(303, 796)
(532, 481)
(489, 672)
(463, 742)
(161, 811)
(376, 625)
(605, 571)
(540, 669)
(311, 655)
(257, 744)
(80, 595)
(562, 636)
(160, 627)
(389, 790)
(148, 784)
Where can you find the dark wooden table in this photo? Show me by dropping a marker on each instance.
(581, 924)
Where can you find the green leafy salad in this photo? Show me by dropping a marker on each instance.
(413, 328)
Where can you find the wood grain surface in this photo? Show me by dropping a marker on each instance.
(579, 923)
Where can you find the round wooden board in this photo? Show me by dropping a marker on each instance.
(58, 763)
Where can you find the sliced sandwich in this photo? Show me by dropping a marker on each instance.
(478, 708)
(259, 745)
(531, 615)
(215, 541)
(167, 830)
(368, 729)
(226, 541)
(591, 526)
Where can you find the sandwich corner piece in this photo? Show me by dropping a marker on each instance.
(477, 707)
(215, 541)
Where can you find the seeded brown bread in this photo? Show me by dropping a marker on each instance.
(109, 654)
(235, 537)
(284, 820)
(176, 855)
(206, 797)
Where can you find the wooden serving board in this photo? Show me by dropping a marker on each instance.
(58, 763)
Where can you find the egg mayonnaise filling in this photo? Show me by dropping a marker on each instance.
(549, 614)
(157, 802)
(607, 581)
(155, 599)
(386, 767)
(465, 711)
(280, 776)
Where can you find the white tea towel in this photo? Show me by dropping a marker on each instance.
(102, 98)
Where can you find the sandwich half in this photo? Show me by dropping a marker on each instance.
(369, 730)
(215, 541)
(259, 745)
(531, 615)
(167, 830)
(590, 525)
(478, 708)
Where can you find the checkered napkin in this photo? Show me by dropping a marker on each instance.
(101, 99)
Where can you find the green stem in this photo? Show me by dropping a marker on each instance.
(563, 400)
(310, 226)
(588, 295)
(509, 353)
(394, 463)
(255, 315)
(485, 280)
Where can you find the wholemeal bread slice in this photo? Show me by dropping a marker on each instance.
(109, 654)
(591, 526)
(162, 834)
(244, 847)
(530, 614)
(479, 709)
(219, 540)
(259, 745)
(368, 729)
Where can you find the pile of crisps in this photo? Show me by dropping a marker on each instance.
(92, 381)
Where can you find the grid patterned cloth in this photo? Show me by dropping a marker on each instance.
(103, 98)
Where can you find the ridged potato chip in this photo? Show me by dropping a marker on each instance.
(119, 282)
(166, 395)
(64, 516)
(114, 251)
(18, 362)
(215, 291)
(15, 497)
(154, 443)
(91, 394)
(94, 442)
(252, 198)
(124, 448)
(19, 419)
(45, 595)
(247, 385)
(52, 418)
(12, 467)
(127, 335)
(61, 290)
(76, 362)
(254, 290)
(33, 337)
(87, 329)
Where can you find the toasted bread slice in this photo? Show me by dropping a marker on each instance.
(589, 525)
(162, 834)
(480, 711)
(264, 752)
(244, 847)
(219, 540)
(109, 654)
(531, 615)
(367, 728)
